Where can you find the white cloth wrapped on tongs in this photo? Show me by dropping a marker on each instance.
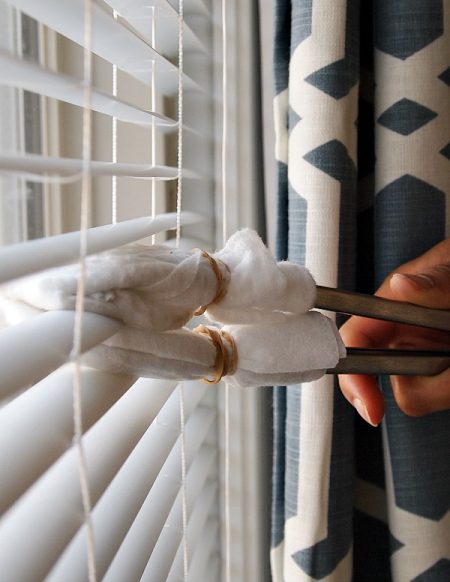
(299, 349)
(160, 288)
(260, 289)
(155, 287)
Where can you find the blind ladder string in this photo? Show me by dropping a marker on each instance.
(227, 484)
(180, 118)
(224, 140)
(184, 510)
(77, 332)
(153, 125)
(114, 143)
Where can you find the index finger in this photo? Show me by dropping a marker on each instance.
(360, 390)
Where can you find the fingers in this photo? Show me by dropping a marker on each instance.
(423, 281)
(420, 395)
(430, 288)
(437, 255)
(362, 391)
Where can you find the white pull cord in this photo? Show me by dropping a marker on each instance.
(184, 509)
(153, 126)
(227, 499)
(224, 123)
(180, 118)
(77, 332)
(114, 143)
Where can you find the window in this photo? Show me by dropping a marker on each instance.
(131, 426)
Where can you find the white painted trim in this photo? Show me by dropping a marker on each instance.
(250, 447)
(266, 19)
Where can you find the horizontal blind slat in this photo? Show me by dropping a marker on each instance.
(204, 551)
(37, 427)
(136, 477)
(29, 548)
(25, 358)
(191, 6)
(212, 569)
(167, 7)
(30, 257)
(35, 164)
(195, 528)
(32, 77)
(112, 41)
(134, 552)
(139, 13)
(165, 550)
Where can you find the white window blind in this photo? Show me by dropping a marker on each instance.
(132, 442)
(149, 521)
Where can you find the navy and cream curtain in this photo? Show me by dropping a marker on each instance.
(362, 115)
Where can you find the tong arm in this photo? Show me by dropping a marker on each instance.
(396, 362)
(379, 308)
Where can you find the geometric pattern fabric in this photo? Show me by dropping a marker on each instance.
(362, 118)
(406, 116)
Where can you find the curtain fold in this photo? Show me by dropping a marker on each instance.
(362, 118)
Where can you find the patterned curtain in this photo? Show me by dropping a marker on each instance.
(362, 115)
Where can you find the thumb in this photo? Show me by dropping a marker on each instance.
(429, 288)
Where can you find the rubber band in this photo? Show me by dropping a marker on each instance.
(226, 359)
(222, 282)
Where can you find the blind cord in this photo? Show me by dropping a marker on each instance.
(224, 123)
(77, 332)
(180, 118)
(153, 126)
(184, 509)
(227, 486)
(184, 512)
(114, 143)
(227, 499)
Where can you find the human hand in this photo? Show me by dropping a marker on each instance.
(423, 281)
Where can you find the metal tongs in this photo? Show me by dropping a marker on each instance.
(387, 361)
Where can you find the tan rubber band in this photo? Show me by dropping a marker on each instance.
(222, 283)
(225, 362)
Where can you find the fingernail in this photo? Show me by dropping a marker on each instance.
(419, 281)
(362, 411)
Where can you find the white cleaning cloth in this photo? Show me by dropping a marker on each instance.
(260, 289)
(155, 288)
(299, 349)
(159, 288)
